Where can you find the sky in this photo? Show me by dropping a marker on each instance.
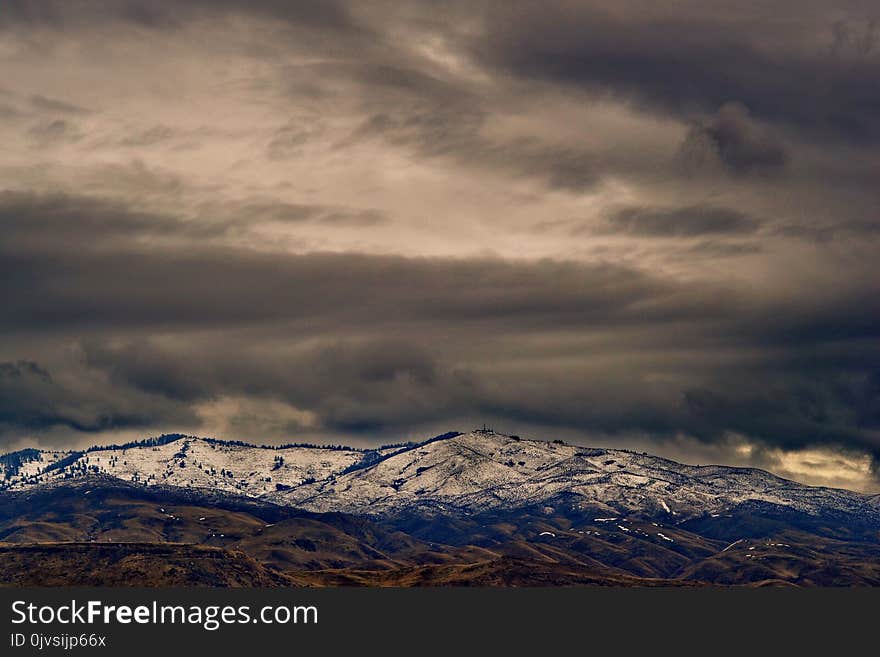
(616, 223)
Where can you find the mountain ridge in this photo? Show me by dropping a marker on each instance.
(460, 473)
(478, 508)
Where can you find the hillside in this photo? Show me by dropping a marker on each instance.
(131, 564)
(460, 509)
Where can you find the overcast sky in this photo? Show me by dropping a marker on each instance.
(609, 222)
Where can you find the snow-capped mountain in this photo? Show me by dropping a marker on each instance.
(188, 462)
(480, 471)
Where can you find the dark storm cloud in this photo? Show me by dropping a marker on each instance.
(791, 413)
(206, 371)
(55, 221)
(163, 14)
(690, 58)
(231, 286)
(378, 343)
(353, 385)
(774, 408)
(380, 383)
(832, 229)
(61, 222)
(31, 399)
(732, 138)
(724, 249)
(250, 211)
(58, 251)
(692, 221)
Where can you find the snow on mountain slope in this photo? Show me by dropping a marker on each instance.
(27, 465)
(195, 463)
(482, 471)
(467, 473)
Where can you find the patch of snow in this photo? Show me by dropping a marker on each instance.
(732, 544)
